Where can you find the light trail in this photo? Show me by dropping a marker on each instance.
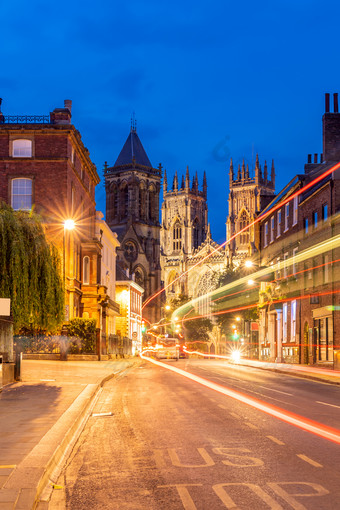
(259, 218)
(311, 426)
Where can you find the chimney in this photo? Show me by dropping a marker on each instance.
(336, 107)
(68, 104)
(0, 103)
(315, 159)
(309, 159)
(326, 103)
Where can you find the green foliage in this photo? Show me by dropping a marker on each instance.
(197, 329)
(85, 331)
(29, 272)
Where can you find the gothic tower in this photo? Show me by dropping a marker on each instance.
(184, 225)
(132, 210)
(247, 197)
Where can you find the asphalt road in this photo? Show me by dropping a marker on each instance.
(157, 440)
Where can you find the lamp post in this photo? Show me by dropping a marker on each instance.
(69, 224)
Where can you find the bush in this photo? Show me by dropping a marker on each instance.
(84, 331)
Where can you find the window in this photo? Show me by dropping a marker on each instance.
(325, 269)
(278, 266)
(73, 156)
(278, 223)
(284, 321)
(86, 270)
(177, 237)
(244, 223)
(324, 212)
(286, 216)
(285, 267)
(315, 219)
(22, 148)
(305, 225)
(295, 210)
(294, 261)
(272, 224)
(293, 321)
(266, 233)
(21, 196)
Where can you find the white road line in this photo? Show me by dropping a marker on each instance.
(277, 391)
(326, 404)
(307, 459)
(250, 425)
(275, 440)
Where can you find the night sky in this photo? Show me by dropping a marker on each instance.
(207, 80)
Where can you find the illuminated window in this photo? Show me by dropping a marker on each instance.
(278, 223)
(305, 222)
(326, 269)
(286, 216)
(284, 321)
(22, 148)
(293, 321)
(272, 224)
(315, 219)
(266, 233)
(324, 212)
(177, 236)
(285, 266)
(295, 210)
(86, 270)
(294, 261)
(21, 196)
(244, 222)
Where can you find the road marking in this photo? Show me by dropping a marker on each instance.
(288, 497)
(277, 441)
(183, 493)
(102, 414)
(47, 380)
(202, 451)
(277, 391)
(235, 416)
(222, 407)
(10, 466)
(250, 425)
(326, 404)
(307, 459)
(235, 459)
(220, 491)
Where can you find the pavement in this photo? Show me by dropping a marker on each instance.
(42, 416)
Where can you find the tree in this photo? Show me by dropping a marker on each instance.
(29, 272)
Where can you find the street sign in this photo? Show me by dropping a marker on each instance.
(5, 306)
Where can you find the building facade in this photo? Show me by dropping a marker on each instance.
(45, 167)
(132, 210)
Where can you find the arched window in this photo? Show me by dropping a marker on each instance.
(244, 222)
(141, 204)
(139, 277)
(177, 236)
(21, 194)
(86, 270)
(22, 148)
(124, 201)
(196, 236)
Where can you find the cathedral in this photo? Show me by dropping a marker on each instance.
(172, 255)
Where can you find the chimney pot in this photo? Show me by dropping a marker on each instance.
(327, 103)
(315, 159)
(0, 103)
(336, 106)
(309, 159)
(321, 158)
(68, 104)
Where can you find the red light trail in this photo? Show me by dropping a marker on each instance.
(261, 217)
(311, 426)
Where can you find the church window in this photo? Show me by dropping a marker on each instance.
(196, 232)
(177, 236)
(124, 201)
(244, 222)
(139, 277)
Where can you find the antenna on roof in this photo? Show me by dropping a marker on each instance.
(133, 123)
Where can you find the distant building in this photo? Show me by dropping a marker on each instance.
(132, 210)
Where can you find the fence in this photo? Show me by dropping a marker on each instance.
(119, 346)
(54, 344)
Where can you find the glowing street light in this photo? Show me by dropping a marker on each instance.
(69, 224)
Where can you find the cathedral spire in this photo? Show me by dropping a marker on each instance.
(187, 180)
(205, 185)
(175, 182)
(239, 172)
(231, 171)
(257, 170)
(165, 183)
(243, 170)
(272, 175)
(208, 236)
(182, 185)
(265, 172)
(247, 171)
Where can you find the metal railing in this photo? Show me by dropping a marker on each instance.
(25, 119)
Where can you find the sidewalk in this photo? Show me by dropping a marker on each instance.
(39, 417)
(316, 373)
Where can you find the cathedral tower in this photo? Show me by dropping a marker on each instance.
(247, 197)
(132, 210)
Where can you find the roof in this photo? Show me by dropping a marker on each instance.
(133, 148)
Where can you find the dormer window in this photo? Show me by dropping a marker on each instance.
(22, 148)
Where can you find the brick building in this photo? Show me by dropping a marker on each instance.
(45, 166)
(300, 242)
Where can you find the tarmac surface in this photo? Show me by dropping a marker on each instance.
(42, 416)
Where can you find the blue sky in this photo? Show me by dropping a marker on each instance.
(207, 80)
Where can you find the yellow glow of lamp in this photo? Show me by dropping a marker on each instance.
(69, 224)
